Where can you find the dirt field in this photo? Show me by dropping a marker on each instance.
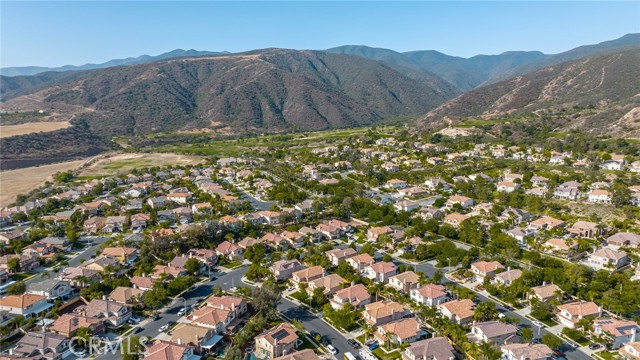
(124, 163)
(34, 127)
(19, 181)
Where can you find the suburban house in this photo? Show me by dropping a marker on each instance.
(630, 351)
(229, 250)
(569, 314)
(545, 223)
(337, 255)
(127, 295)
(115, 314)
(276, 342)
(357, 295)
(437, 348)
(201, 338)
(122, 253)
(52, 289)
(382, 312)
(166, 350)
(494, 332)
(405, 282)
(463, 201)
(308, 274)
(68, 324)
(546, 293)
(507, 186)
(458, 311)
(41, 345)
(76, 276)
(482, 269)
(236, 305)
(624, 239)
(374, 232)
(585, 229)
(398, 332)
(360, 262)
(213, 318)
(520, 351)
(380, 272)
(619, 332)
(430, 295)
(506, 278)
(330, 284)
(600, 196)
(205, 256)
(455, 219)
(558, 245)
(608, 259)
(306, 354)
(94, 224)
(329, 231)
(284, 269)
(27, 305)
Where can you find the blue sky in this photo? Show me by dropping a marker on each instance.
(55, 33)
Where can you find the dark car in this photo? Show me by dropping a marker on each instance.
(354, 344)
(156, 317)
(559, 353)
(508, 307)
(325, 341)
(595, 346)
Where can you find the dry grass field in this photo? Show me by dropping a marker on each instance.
(20, 181)
(124, 163)
(33, 127)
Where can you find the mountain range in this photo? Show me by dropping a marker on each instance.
(276, 90)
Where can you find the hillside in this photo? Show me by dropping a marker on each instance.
(178, 53)
(605, 87)
(262, 91)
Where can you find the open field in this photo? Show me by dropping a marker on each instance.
(124, 163)
(20, 181)
(34, 127)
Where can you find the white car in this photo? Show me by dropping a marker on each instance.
(181, 312)
(538, 324)
(163, 328)
(331, 349)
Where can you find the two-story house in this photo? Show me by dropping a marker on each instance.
(278, 341)
(356, 295)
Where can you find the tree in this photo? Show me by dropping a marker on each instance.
(367, 330)
(155, 298)
(193, 266)
(17, 288)
(319, 298)
(527, 334)
(266, 299)
(132, 348)
(438, 276)
(485, 311)
(13, 265)
(551, 341)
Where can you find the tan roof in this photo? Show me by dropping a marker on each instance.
(559, 243)
(461, 308)
(458, 198)
(68, 323)
(210, 316)
(529, 351)
(548, 221)
(21, 301)
(225, 302)
(380, 230)
(283, 334)
(227, 247)
(581, 308)
(328, 282)
(487, 266)
(190, 334)
(599, 192)
(407, 276)
(228, 219)
(546, 291)
(342, 253)
(510, 275)
(143, 282)
(362, 259)
(119, 251)
(616, 327)
(456, 217)
(383, 308)
(165, 350)
(357, 291)
(437, 348)
(383, 267)
(308, 273)
(306, 354)
(432, 291)
(123, 294)
(610, 254)
(404, 328)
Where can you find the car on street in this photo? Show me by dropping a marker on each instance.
(332, 350)
(156, 317)
(538, 324)
(181, 312)
(354, 344)
(163, 328)
(572, 345)
(137, 329)
(558, 352)
(595, 346)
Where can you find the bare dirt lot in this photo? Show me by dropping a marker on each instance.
(124, 163)
(20, 181)
(33, 127)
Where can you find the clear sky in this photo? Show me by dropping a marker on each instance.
(55, 33)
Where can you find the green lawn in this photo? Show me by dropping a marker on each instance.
(306, 344)
(608, 355)
(232, 264)
(20, 277)
(395, 355)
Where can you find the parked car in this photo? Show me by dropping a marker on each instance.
(595, 346)
(181, 312)
(163, 328)
(354, 344)
(374, 346)
(538, 324)
(558, 352)
(332, 350)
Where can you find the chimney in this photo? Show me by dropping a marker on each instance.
(179, 341)
(634, 332)
(599, 311)
(104, 297)
(544, 283)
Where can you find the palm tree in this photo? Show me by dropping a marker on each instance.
(367, 330)
(388, 336)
